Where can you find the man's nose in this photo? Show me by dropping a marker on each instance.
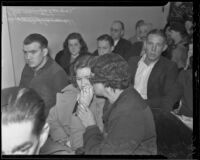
(153, 48)
(28, 56)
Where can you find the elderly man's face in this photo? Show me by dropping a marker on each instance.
(116, 31)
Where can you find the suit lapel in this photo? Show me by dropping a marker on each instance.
(154, 75)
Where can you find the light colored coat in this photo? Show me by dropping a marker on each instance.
(65, 126)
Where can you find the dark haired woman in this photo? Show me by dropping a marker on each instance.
(73, 47)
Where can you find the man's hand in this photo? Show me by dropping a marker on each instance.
(86, 116)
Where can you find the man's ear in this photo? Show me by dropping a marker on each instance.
(44, 135)
(45, 51)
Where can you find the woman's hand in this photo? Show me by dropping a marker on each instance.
(85, 96)
(86, 116)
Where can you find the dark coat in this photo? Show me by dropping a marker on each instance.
(135, 50)
(173, 137)
(128, 125)
(185, 80)
(161, 93)
(122, 48)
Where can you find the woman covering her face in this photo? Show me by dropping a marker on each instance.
(65, 127)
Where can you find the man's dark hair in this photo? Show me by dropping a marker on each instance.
(159, 33)
(121, 23)
(23, 105)
(106, 37)
(111, 70)
(81, 62)
(179, 27)
(35, 37)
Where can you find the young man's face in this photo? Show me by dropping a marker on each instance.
(116, 31)
(34, 55)
(154, 46)
(17, 138)
(104, 47)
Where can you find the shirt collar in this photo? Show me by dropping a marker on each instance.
(115, 42)
(141, 61)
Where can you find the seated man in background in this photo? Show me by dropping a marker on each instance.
(137, 48)
(128, 122)
(41, 72)
(141, 29)
(105, 44)
(121, 45)
(24, 127)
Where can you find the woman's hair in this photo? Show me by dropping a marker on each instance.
(84, 48)
(81, 62)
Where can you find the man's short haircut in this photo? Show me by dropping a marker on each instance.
(139, 23)
(23, 105)
(111, 70)
(106, 37)
(35, 37)
(81, 62)
(159, 33)
(121, 23)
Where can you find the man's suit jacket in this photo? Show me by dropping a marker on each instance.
(122, 48)
(162, 90)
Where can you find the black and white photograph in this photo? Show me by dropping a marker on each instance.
(98, 80)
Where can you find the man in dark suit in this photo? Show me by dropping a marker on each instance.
(154, 77)
(121, 45)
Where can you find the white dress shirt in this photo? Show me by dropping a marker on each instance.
(115, 42)
(142, 76)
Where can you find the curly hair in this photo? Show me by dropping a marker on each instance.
(111, 70)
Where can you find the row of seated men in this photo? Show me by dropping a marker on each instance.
(100, 104)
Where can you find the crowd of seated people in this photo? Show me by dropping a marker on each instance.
(130, 97)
